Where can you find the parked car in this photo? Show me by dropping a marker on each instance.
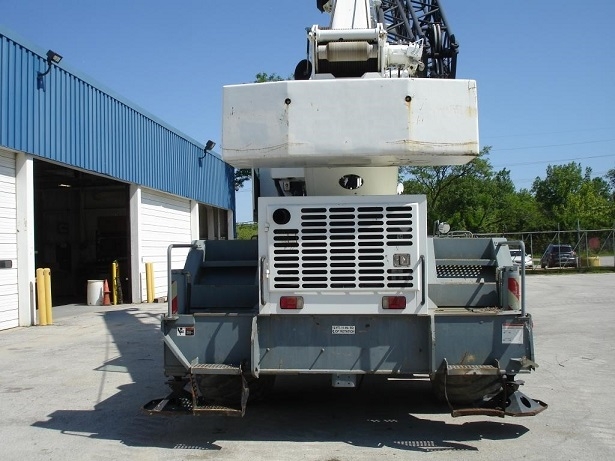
(559, 256)
(517, 257)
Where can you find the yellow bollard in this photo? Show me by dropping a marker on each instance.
(114, 282)
(40, 297)
(47, 278)
(149, 281)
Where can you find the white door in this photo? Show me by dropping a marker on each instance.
(9, 304)
(165, 219)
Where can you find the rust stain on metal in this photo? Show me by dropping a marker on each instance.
(469, 144)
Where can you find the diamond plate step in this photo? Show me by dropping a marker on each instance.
(214, 369)
(472, 370)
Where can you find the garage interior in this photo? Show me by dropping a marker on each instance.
(82, 226)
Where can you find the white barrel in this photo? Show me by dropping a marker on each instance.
(511, 288)
(95, 292)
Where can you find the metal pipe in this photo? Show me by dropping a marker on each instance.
(149, 281)
(47, 279)
(532, 249)
(400, 7)
(423, 279)
(114, 282)
(40, 297)
(334, 35)
(169, 277)
(586, 250)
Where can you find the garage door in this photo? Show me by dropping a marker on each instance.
(9, 312)
(165, 220)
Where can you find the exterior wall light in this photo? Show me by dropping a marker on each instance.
(52, 58)
(208, 147)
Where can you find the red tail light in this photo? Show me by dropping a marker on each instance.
(291, 302)
(394, 302)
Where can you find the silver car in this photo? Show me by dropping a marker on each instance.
(517, 256)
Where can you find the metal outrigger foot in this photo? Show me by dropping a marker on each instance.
(516, 404)
(509, 401)
(182, 401)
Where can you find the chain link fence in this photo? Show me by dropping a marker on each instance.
(595, 247)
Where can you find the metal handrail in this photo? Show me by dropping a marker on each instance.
(423, 280)
(169, 277)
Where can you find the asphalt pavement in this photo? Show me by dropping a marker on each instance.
(74, 389)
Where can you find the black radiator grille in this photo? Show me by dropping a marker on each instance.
(337, 248)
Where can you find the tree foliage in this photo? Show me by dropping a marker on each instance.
(571, 198)
(470, 197)
(241, 176)
(610, 180)
(263, 77)
(474, 197)
(247, 231)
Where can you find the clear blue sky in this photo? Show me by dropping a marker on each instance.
(545, 69)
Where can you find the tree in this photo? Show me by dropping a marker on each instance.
(570, 198)
(247, 231)
(610, 178)
(241, 176)
(588, 208)
(522, 213)
(560, 181)
(435, 182)
(462, 195)
(473, 197)
(263, 77)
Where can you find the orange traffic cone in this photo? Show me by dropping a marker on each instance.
(106, 293)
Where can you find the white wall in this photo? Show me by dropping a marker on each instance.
(26, 269)
(9, 300)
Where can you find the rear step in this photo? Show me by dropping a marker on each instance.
(214, 369)
(472, 370)
(508, 402)
(181, 401)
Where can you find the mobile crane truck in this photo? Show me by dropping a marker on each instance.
(343, 279)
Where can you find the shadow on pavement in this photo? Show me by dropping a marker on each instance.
(396, 414)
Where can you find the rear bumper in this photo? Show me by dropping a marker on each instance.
(351, 344)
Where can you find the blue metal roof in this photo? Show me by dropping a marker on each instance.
(75, 122)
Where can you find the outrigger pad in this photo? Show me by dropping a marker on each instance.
(171, 404)
(519, 404)
(182, 401)
(174, 405)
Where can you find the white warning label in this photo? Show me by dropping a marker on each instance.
(342, 329)
(185, 331)
(512, 334)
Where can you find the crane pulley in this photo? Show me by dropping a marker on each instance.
(411, 37)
